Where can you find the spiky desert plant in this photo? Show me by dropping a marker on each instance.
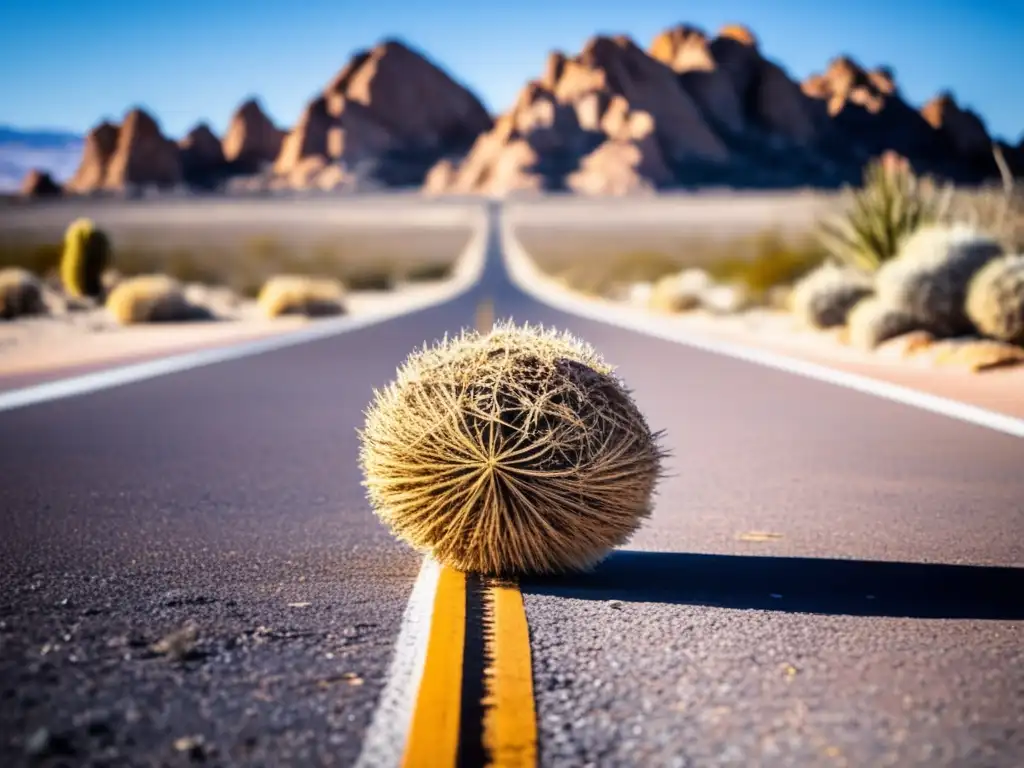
(995, 299)
(301, 295)
(21, 294)
(86, 254)
(823, 298)
(509, 453)
(679, 292)
(929, 278)
(892, 204)
(872, 321)
(150, 299)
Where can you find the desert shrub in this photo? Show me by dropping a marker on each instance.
(995, 299)
(872, 321)
(680, 292)
(892, 204)
(86, 255)
(151, 299)
(21, 294)
(824, 297)
(371, 280)
(509, 453)
(422, 273)
(606, 275)
(929, 278)
(772, 261)
(302, 295)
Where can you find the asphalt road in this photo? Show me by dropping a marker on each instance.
(883, 624)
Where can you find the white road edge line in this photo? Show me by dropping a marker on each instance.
(385, 739)
(529, 279)
(470, 266)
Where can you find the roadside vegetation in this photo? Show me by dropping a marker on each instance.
(904, 256)
(88, 267)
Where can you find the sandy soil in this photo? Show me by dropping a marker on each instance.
(998, 389)
(70, 343)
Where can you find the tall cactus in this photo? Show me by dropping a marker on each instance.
(86, 255)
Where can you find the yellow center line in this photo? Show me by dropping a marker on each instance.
(434, 732)
(510, 718)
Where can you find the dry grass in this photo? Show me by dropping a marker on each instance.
(300, 295)
(509, 453)
(21, 294)
(606, 262)
(363, 259)
(150, 299)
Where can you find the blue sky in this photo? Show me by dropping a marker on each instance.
(69, 63)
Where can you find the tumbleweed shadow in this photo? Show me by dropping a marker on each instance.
(798, 585)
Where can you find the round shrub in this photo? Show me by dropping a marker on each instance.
(300, 295)
(150, 299)
(872, 321)
(510, 453)
(928, 279)
(21, 294)
(995, 299)
(824, 297)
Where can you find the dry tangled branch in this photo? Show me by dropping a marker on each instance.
(511, 453)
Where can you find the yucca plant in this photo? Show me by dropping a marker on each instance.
(892, 204)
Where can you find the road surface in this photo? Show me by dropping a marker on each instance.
(190, 571)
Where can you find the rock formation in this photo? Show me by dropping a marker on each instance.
(38, 183)
(867, 108)
(611, 118)
(132, 154)
(962, 128)
(693, 110)
(389, 113)
(738, 89)
(202, 158)
(252, 141)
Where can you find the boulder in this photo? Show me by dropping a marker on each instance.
(38, 183)
(621, 167)
(252, 140)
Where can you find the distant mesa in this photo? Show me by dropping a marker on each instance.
(693, 110)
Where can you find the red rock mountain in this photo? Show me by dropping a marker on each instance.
(389, 103)
(134, 153)
(201, 154)
(252, 140)
(39, 183)
(692, 110)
